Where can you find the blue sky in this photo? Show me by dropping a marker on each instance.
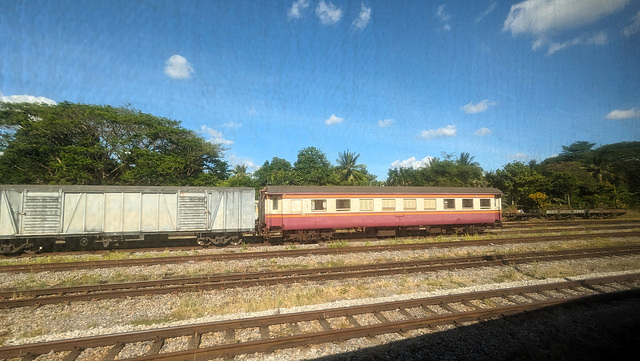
(397, 82)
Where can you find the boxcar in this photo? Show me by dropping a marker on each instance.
(307, 213)
(43, 215)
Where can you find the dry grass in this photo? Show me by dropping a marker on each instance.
(287, 296)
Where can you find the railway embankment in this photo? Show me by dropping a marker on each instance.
(63, 321)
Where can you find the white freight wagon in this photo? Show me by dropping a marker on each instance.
(40, 216)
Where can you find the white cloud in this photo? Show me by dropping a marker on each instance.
(232, 125)
(624, 114)
(634, 28)
(483, 106)
(328, 13)
(444, 17)
(539, 17)
(215, 136)
(237, 160)
(25, 99)
(363, 18)
(483, 131)
(385, 123)
(489, 10)
(520, 155)
(295, 12)
(448, 131)
(412, 163)
(597, 39)
(333, 120)
(177, 67)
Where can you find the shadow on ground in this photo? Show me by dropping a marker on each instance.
(605, 328)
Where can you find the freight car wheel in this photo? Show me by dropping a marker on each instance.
(83, 242)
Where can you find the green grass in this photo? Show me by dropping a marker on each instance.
(338, 244)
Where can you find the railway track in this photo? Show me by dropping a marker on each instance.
(190, 245)
(265, 334)
(64, 266)
(577, 228)
(10, 299)
(517, 224)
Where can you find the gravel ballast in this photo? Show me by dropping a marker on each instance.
(54, 322)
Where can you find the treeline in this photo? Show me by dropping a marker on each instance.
(89, 144)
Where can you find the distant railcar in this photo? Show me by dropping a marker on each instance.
(41, 216)
(309, 213)
(561, 214)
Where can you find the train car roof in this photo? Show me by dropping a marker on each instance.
(112, 188)
(378, 190)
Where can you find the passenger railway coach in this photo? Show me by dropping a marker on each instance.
(307, 213)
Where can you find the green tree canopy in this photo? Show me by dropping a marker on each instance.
(516, 180)
(278, 172)
(312, 168)
(448, 172)
(91, 144)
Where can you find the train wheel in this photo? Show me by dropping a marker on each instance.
(220, 241)
(235, 241)
(83, 242)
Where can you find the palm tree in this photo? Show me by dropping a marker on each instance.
(466, 159)
(240, 171)
(348, 168)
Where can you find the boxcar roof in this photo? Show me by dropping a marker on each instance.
(111, 188)
(378, 190)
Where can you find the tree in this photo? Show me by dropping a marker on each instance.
(278, 172)
(447, 172)
(312, 168)
(404, 176)
(576, 152)
(90, 144)
(350, 172)
(240, 171)
(466, 159)
(516, 180)
(567, 183)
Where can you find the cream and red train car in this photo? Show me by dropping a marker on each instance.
(309, 213)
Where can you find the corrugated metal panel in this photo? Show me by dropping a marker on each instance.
(41, 213)
(192, 211)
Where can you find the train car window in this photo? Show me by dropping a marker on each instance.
(429, 204)
(343, 204)
(388, 204)
(449, 204)
(409, 204)
(318, 204)
(467, 203)
(366, 204)
(275, 204)
(485, 203)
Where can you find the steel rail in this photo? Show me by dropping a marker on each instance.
(11, 299)
(268, 344)
(176, 247)
(526, 224)
(40, 267)
(556, 230)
